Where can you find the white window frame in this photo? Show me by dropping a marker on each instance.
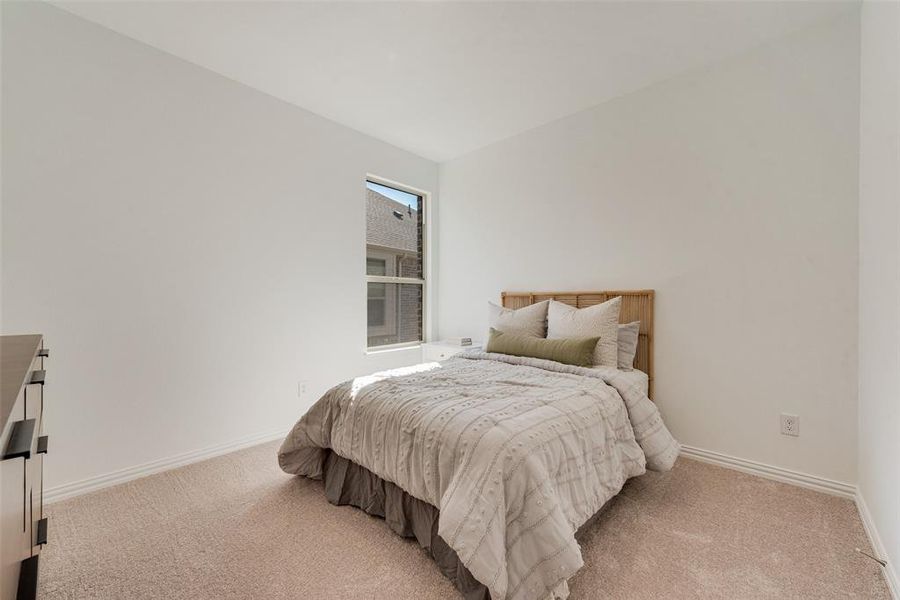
(426, 268)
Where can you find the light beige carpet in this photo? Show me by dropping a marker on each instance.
(236, 527)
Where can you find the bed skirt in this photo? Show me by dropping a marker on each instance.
(348, 483)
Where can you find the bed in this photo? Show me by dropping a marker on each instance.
(494, 463)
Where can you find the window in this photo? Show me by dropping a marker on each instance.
(395, 260)
(377, 308)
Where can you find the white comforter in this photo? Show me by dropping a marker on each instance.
(517, 453)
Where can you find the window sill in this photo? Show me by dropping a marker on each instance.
(395, 348)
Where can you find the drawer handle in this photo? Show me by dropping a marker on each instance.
(38, 376)
(42, 444)
(28, 579)
(41, 538)
(44, 352)
(21, 439)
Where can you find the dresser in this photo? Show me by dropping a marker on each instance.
(23, 527)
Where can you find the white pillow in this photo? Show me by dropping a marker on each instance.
(564, 321)
(528, 320)
(628, 341)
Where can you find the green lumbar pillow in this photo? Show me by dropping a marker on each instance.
(571, 351)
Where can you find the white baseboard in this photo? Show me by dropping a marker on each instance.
(813, 482)
(92, 484)
(890, 571)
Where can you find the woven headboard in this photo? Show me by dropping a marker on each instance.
(637, 305)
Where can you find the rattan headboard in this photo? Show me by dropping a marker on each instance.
(637, 305)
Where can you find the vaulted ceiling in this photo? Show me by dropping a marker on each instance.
(441, 79)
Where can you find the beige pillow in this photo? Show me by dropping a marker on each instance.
(571, 351)
(601, 320)
(528, 320)
(628, 341)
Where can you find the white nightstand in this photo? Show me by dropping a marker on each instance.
(437, 351)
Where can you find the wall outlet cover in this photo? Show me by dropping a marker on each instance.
(790, 425)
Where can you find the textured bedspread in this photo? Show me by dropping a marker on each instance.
(516, 453)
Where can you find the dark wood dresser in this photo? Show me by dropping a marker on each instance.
(23, 528)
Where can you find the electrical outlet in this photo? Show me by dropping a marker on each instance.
(301, 388)
(790, 425)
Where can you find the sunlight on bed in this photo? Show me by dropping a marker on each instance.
(361, 382)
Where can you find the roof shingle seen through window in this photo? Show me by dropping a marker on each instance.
(385, 228)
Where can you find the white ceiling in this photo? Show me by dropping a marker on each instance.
(441, 79)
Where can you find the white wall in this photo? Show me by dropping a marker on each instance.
(879, 272)
(732, 191)
(190, 247)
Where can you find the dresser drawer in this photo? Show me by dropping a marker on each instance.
(21, 467)
(14, 519)
(34, 484)
(15, 511)
(34, 392)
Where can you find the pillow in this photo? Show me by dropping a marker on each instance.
(602, 320)
(628, 341)
(528, 320)
(571, 351)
